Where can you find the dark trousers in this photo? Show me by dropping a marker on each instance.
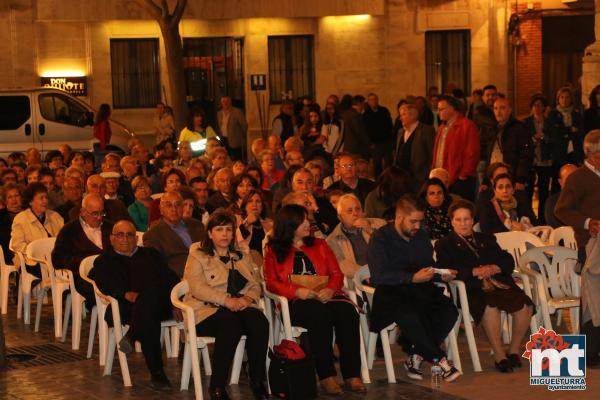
(592, 340)
(144, 318)
(464, 188)
(544, 176)
(227, 327)
(425, 328)
(234, 153)
(320, 320)
(382, 156)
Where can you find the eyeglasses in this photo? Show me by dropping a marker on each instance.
(96, 214)
(347, 166)
(124, 235)
(171, 205)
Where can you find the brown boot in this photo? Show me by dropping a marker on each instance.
(330, 386)
(356, 385)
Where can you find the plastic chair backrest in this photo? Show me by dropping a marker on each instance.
(85, 267)
(40, 250)
(542, 231)
(181, 290)
(516, 243)
(558, 273)
(359, 277)
(564, 236)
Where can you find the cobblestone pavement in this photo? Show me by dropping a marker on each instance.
(82, 379)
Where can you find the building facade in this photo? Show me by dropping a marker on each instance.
(393, 48)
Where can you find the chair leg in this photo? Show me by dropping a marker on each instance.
(103, 340)
(206, 360)
(38, 312)
(66, 317)
(371, 349)
(57, 303)
(237, 362)
(452, 348)
(364, 365)
(558, 317)
(92, 335)
(77, 307)
(196, 370)
(472, 343)
(110, 352)
(4, 277)
(122, 356)
(387, 354)
(20, 305)
(574, 314)
(165, 338)
(175, 341)
(138, 347)
(186, 368)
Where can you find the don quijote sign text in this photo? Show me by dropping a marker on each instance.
(76, 86)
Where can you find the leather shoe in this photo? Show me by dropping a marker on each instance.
(259, 391)
(355, 385)
(504, 366)
(514, 360)
(159, 381)
(125, 345)
(218, 393)
(330, 386)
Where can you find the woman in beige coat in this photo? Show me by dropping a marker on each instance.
(224, 292)
(36, 222)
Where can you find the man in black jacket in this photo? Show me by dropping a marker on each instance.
(512, 145)
(140, 280)
(86, 236)
(378, 122)
(356, 138)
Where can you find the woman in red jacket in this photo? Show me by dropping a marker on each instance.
(102, 126)
(292, 251)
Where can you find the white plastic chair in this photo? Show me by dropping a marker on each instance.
(367, 292)
(459, 291)
(5, 271)
(542, 231)
(26, 280)
(282, 324)
(191, 361)
(78, 312)
(101, 305)
(558, 286)
(564, 236)
(56, 280)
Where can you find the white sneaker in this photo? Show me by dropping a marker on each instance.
(449, 371)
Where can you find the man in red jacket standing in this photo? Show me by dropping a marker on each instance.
(456, 148)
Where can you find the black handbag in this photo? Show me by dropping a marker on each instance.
(292, 379)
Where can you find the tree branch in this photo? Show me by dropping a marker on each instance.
(154, 10)
(178, 13)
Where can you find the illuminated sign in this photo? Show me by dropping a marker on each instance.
(75, 85)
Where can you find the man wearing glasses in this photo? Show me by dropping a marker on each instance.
(140, 280)
(172, 235)
(86, 236)
(350, 182)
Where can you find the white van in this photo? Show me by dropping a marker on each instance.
(45, 118)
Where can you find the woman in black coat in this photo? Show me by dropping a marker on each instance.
(504, 212)
(486, 270)
(566, 130)
(591, 116)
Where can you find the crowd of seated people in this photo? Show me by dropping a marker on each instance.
(330, 190)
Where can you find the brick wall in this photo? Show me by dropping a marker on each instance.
(528, 67)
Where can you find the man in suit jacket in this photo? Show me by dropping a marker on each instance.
(356, 138)
(115, 209)
(413, 148)
(232, 128)
(86, 236)
(139, 279)
(172, 235)
(578, 207)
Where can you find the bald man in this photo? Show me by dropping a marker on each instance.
(551, 218)
(222, 188)
(172, 235)
(140, 280)
(115, 209)
(85, 236)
